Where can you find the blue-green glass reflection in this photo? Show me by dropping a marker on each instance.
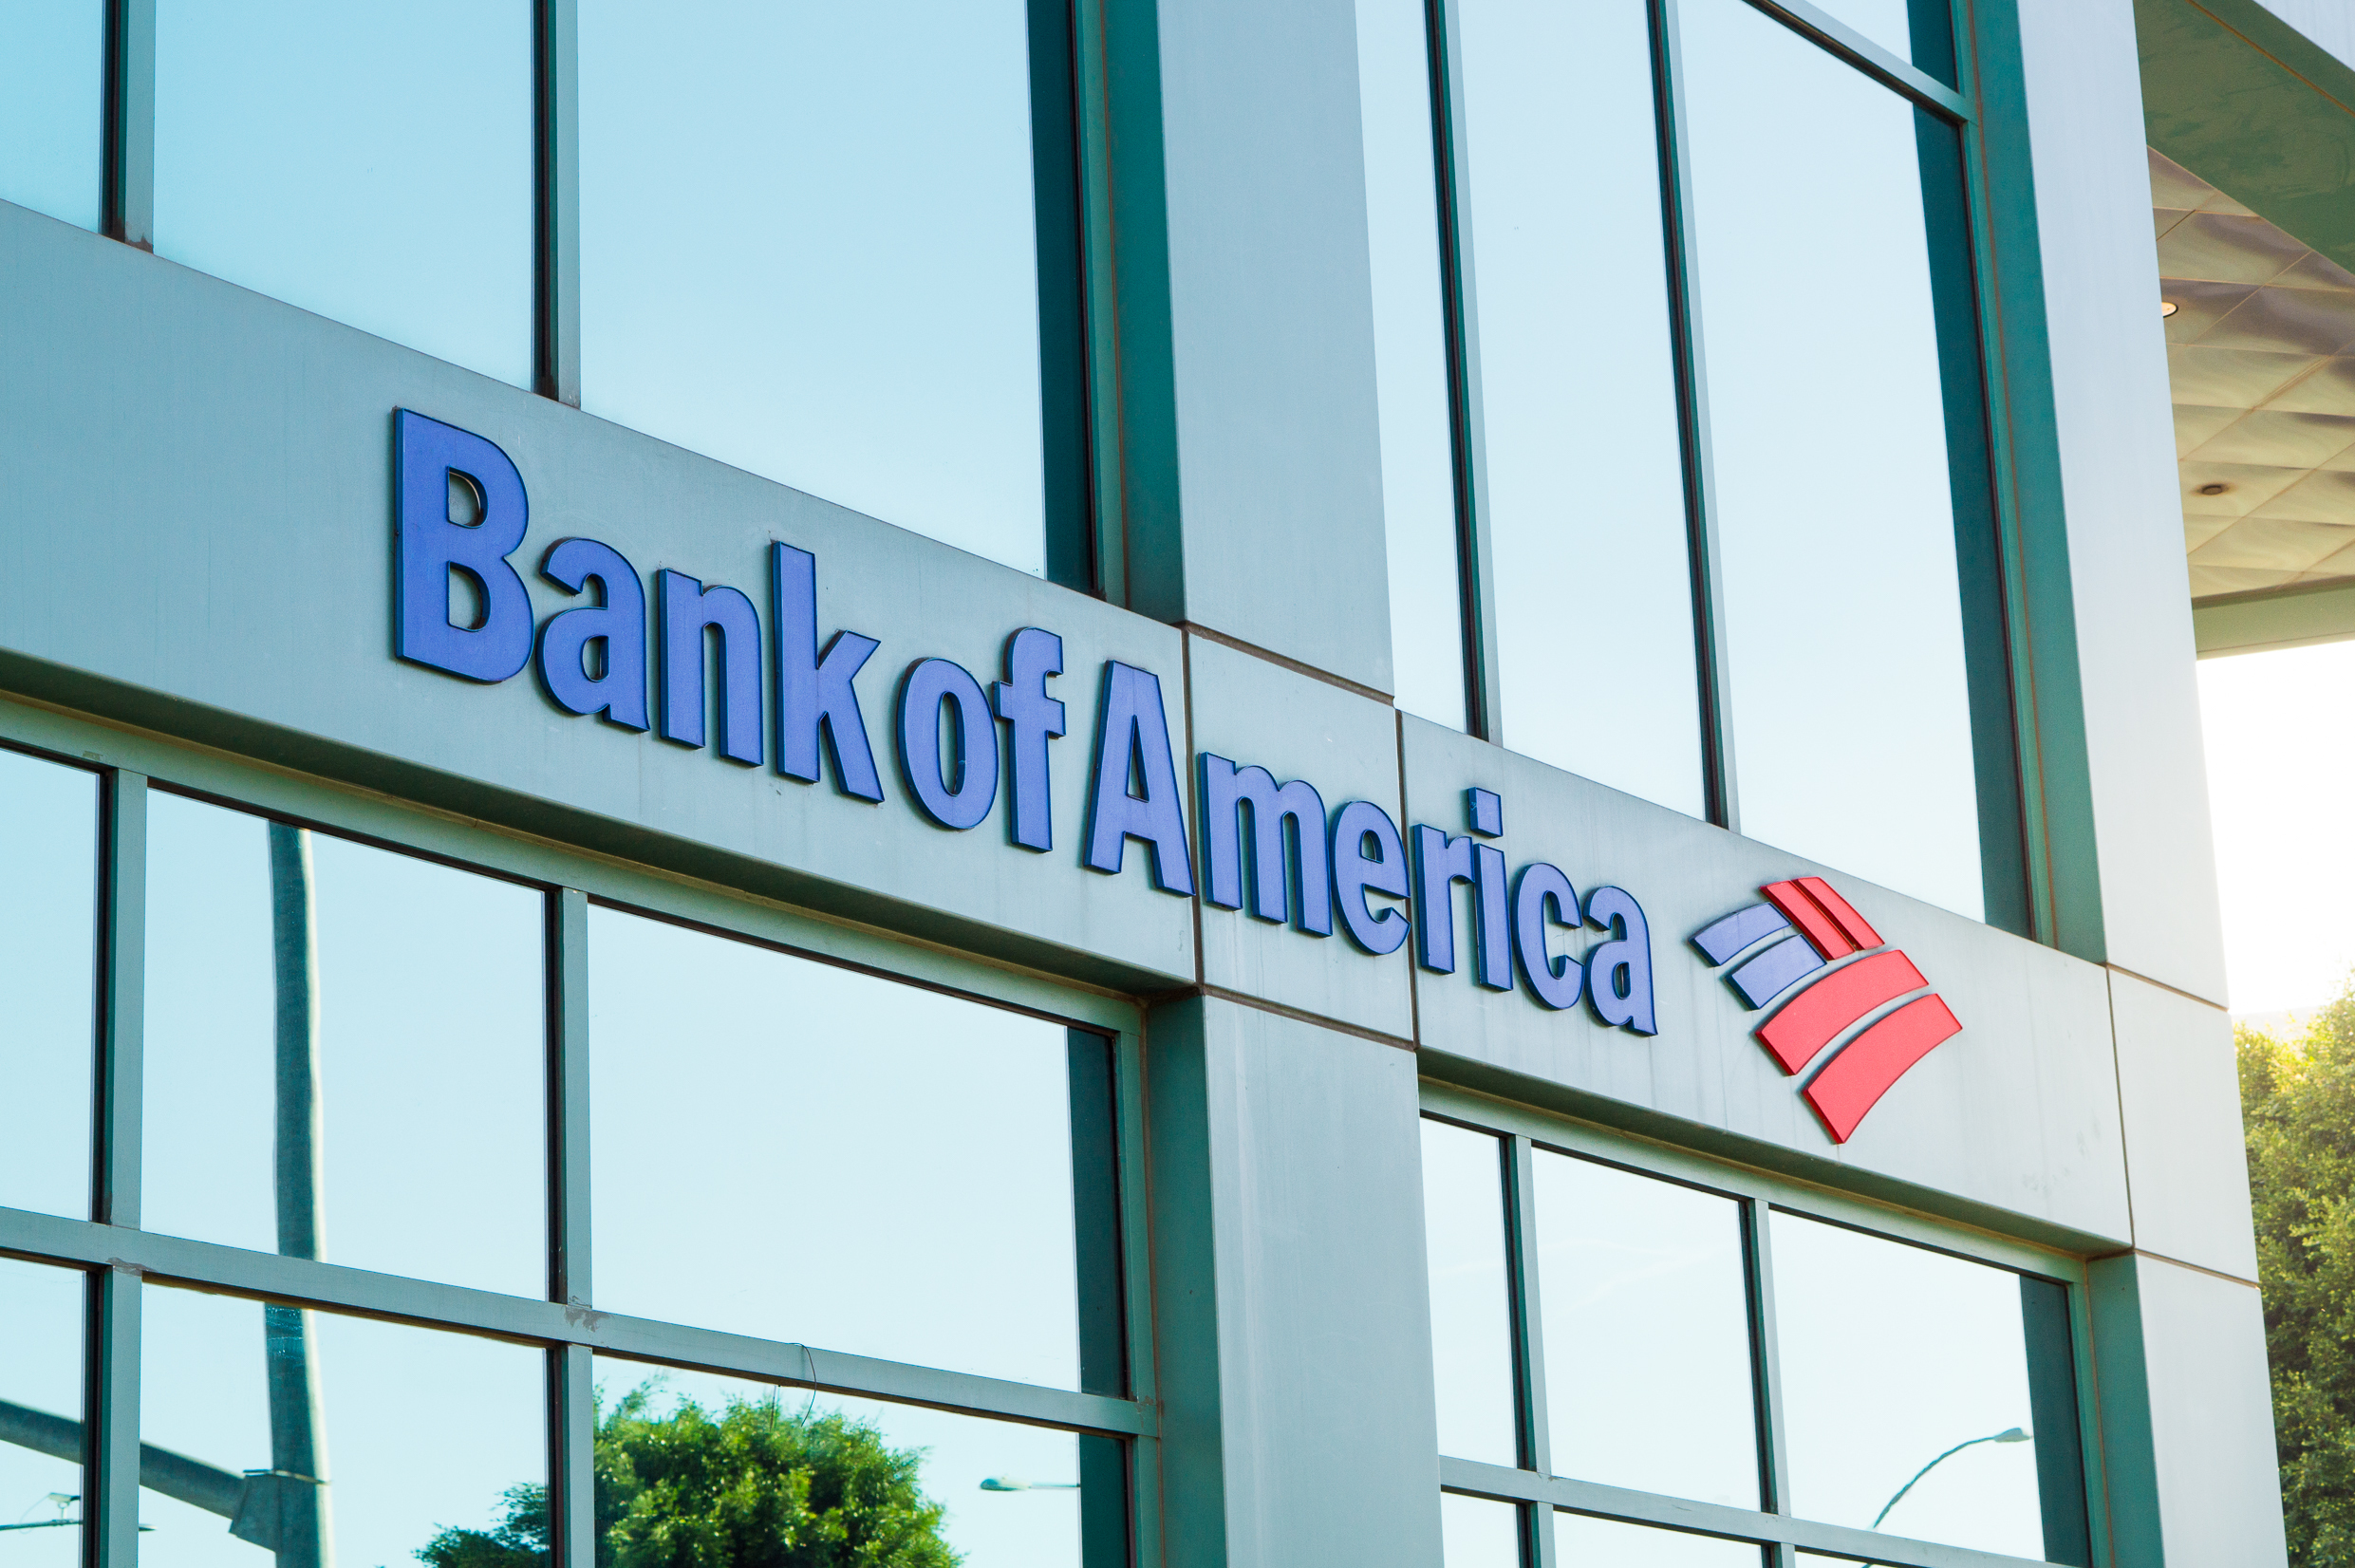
(49, 955)
(1583, 1542)
(41, 1395)
(51, 103)
(345, 1052)
(303, 1439)
(1479, 1532)
(1471, 1296)
(1850, 707)
(885, 1170)
(1410, 361)
(1646, 1313)
(1866, 1409)
(921, 1484)
(1590, 559)
(372, 163)
(808, 249)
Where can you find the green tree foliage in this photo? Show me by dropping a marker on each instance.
(758, 1488)
(2298, 1105)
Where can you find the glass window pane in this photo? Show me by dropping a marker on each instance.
(52, 57)
(1471, 1299)
(1479, 1532)
(372, 163)
(1581, 1542)
(1905, 1368)
(1925, 39)
(41, 1390)
(680, 1451)
(1411, 360)
(1584, 468)
(1850, 709)
(401, 1001)
(731, 1084)
(1642, 1286)
(49, 958)
(421, 1444)
(808, 249)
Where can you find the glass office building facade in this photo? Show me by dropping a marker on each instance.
(1175, 782)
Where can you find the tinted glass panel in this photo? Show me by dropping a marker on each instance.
(372, 163)
(808, 249)
(1479, 1532)
(1585, 495)
(1904, 1365)
(679, 1453)
(1850, 708)
(52, 106)
(49, 955)
(1411, 360)
(345, 1051)
(422, 1444)
(1648, 1378)
(40, 1372)
(887, 1170)
(1471, 1300)
(1583, 1542)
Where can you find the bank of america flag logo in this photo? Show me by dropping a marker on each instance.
(1807, 938)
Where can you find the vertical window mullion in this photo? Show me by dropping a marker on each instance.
(1721, 799)
(111, 1407)
(127, 177)
(557, 218)
(572, 1420)
(1057, 202)
(1529, 1338)
(1774, 1479)
(1528, 1329)
(1482, 681)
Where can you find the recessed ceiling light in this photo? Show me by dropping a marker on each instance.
(2168, 308)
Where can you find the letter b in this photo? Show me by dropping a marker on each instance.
(430, 547)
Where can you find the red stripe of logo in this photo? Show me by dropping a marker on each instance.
(1803, 912)
(1809, 1021)
(1857, 1078)
(1843, 914)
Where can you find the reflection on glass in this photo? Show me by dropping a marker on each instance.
(372, 163)
(1472, 1301)
(344, 1052)
(904, 1157)
(40, 1439)
(1888, 23)
(52, 106)
(1892, 1357)
(1642, 1288)
(1585, 491)
(741, 1463)
(1583, 1542)
(1410, 361)
(317, 1440)
(49, 955)
(808, 249)
(1851, 716)
(1478, 1532)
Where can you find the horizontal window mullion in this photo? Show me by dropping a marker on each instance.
(302, 1281)
(1874, 61)
(1585, 1497)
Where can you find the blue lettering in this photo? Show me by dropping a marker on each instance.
(617, 627)
(1032, 719)
(1135, 794)
(688, 608)
(956, 791)
(1620, 971)
(1296, 811)
(1356, 873)
(813, 693)
(1543, 896)
(426, 456)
